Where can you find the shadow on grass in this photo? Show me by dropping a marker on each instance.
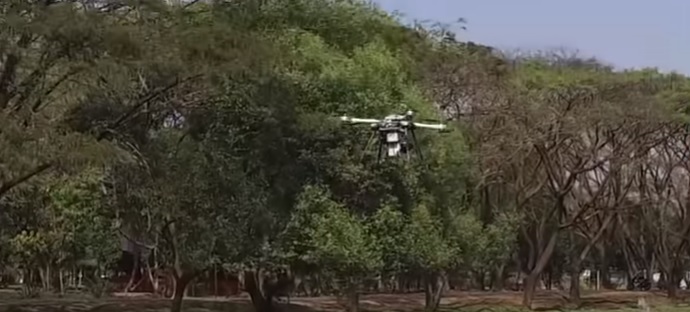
(138, 305)
(453, 302)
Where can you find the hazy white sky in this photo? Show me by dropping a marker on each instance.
(625, 33)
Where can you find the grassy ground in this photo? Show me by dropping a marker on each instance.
(452, 302)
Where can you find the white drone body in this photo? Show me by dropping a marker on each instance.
(395, 133)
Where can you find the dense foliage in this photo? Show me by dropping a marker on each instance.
(204, 135)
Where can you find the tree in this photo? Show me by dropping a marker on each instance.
(494, 247)
(44, 63)
(205, 134)
(69, 224)
(331, 237)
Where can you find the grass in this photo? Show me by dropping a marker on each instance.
(662, 308)
(456, 301)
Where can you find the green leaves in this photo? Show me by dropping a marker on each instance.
(84, 220)
(223, 140)
(71, 223)
(388, 226)
(325, 233)
(490, 246)
(370, 80)
(427, 248)
(342, 243)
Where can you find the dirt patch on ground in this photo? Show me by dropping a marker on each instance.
(468, 301)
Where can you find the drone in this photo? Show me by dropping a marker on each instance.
(395, 134)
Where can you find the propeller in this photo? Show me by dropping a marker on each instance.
(428, 120)
(354, 120)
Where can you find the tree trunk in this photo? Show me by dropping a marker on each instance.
(428, 294)
(479, 278)
(499, 278)
(133, 273)
(549, 278)
(652, 268)
(62, 282)
(181, 283)
(49, 285)
(260, 303)
(533, 277)
(530, 287)
(672, 290)
(43, 276)
(173, 282)
(673, 278)
(576, 268)
(492, 279)
(631, 265)
(152, 278)
(575, 283)
(433, 291)
(605, 264)
(352, 298)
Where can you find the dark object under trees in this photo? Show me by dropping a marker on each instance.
(640, 282)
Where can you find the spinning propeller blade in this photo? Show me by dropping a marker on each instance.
(430, 126)
(359, 120)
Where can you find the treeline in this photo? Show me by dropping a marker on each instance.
(205, 134)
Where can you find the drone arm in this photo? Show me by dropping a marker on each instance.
(430, 126)
(359, 120)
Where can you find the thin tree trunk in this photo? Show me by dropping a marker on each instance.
(181, 283)
(651, 268)
(62, 281)
(576, 266)
(604, 259)
(133, 273)
(154, 281)
(671, 282)
(548, 274)
(533, 277)
(352, 298)
(631, 265)
(499, 278)
(49, 285)
(251, 283)
(479, 280)
(150, 271)
(575, 270)
(433, 291)
(42, 276)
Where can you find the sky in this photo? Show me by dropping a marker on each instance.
(623, 33)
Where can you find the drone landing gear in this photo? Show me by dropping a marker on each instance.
(416, 145)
